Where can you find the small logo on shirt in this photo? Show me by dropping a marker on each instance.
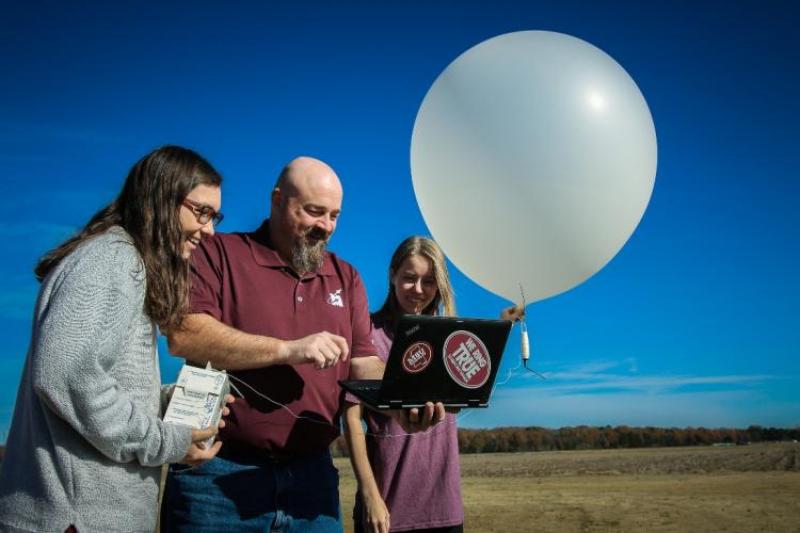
(335, 298)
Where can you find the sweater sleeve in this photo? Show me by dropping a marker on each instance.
(81, 334)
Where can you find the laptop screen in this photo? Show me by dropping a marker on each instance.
(448, 359)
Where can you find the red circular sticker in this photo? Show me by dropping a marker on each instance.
(467, 359)
(417, 357)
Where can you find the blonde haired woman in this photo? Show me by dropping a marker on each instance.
(415, 477)
(408, 482)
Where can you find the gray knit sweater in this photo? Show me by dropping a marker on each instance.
(86, 439)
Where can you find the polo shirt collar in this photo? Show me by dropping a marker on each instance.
(266, 255)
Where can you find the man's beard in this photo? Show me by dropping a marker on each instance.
(308, 252)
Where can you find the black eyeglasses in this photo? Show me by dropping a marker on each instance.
(203, 213)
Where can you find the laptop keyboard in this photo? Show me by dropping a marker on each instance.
(365, 384)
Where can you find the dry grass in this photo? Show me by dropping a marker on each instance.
(738, 489)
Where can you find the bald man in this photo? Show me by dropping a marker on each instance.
(287, 319)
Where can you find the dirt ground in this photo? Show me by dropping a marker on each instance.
(731, 489)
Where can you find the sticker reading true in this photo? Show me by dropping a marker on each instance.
(466, 359)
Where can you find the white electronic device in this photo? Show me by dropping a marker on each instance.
(198, 398)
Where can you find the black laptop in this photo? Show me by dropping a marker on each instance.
(440, 359)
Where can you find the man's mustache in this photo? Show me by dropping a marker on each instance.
(317, 234)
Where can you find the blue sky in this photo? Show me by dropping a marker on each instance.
(693, 323)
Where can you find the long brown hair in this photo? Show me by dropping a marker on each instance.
(444, 301)
(147, 208)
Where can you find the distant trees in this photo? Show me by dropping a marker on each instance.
(539, 439)
(517, 439)
(535, 439)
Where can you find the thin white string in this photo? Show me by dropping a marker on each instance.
(465, 414)
(427, 432)
(461, 415)
(511, 374)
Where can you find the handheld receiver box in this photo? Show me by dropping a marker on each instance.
(198, 398)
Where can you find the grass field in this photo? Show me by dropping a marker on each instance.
(732, 489)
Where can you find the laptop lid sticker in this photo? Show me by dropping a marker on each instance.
(466, 359)
(417, 357)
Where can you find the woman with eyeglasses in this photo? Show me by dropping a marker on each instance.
(86, 440)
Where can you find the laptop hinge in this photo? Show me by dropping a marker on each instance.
(395, 404)
(473, 403)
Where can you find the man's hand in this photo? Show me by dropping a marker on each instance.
(419, 419)
(323, 350)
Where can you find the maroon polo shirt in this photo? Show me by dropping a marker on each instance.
(239, 279)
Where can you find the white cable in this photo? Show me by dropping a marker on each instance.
(325, 423)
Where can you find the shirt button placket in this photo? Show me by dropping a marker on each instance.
(298, 294)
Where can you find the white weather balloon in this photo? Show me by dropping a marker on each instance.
(533, 158)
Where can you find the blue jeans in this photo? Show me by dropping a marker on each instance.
(221, 495)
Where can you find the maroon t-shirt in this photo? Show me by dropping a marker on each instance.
(239, 279)
(419, 475)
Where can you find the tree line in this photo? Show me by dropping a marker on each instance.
(539, 439)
